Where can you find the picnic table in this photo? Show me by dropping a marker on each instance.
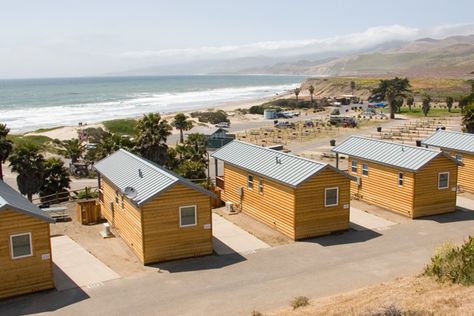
(58, 213)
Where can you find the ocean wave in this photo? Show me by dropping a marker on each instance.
(132, 105)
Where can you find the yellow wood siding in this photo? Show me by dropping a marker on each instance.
(29, 274)
(466, 172)
(127, 221)
(430, 200)
(275, 207)
(381, 187)
(313, 218)
(164, 239)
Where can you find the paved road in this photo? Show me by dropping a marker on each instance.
(264, 281)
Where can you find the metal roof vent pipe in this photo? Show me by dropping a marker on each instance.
(140, 173)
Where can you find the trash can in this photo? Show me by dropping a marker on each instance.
(418, 143)
(332, 142)
(379, 129)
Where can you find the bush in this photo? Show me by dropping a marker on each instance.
(452, 263)
(121, 126)
(393, 310)
(299, 301)
(211, 117)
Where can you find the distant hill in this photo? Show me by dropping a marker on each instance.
(452, 56)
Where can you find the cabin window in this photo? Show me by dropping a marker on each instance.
(443, 180)
(331, 196)
(250, 182)
(400, 179)
(260, 186)
(365, 169)
(187, 216)
(21, 246)
(459, 157)
(354, 166)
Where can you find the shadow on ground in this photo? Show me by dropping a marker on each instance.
(201, 263)
(347, 237)
(45, 301)
(462, 214)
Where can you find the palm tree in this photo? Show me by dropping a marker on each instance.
(468, 118)
(311, 92)
(152, 133)
(72, 149)
(6, 146)
(388, 90)
(353, 86)
(410, 102)
(449, 103)
(426, 104)
(297, 93)
(27, 161)
(182, 124)
(56, 180)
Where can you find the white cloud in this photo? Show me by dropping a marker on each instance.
(366, 39)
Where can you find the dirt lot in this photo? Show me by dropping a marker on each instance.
(419, 295)
(111, 251)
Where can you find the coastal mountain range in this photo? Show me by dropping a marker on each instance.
(451, 56)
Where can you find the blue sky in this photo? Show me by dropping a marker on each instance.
(76, 38)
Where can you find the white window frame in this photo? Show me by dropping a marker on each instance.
(11, 246)
(401, 179)
(447, 182)
(458, 157)
(356, 166)
(325, 196)
(365, 169)
(260, 186)
(195, 215)
(250, 183)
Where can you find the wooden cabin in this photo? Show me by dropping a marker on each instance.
(159, 214)
(25, 247)
(458, 145)
(299, 197)
(412, 181)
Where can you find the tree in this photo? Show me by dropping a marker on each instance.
(6, 147)
(72, 149)
(192, 170)
(181, 123)
(353, 86)
(398, 102)
(426, 104)
(388, 90)
(297, 93)
(311, 92)
(449, 103)
(27, 161)
(152, 133)
(410, 102)
(193, 158)
(468, 118)
(55, 181)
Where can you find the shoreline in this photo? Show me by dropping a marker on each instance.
(66, 132)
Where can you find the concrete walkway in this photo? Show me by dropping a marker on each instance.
(361, 221)
(75, 267)
(229, 238)
(465, 203)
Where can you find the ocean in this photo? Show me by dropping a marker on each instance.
(29, 104)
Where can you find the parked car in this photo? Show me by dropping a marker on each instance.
(223, 125)
(343, 121)
(284, 125)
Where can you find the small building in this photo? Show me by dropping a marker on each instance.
(461, 146)
(299, 197)
(409, 180)
(25, 247)
(159, 214)
(216, 136)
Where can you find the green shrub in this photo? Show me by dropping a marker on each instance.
(121, 126)
(393, 310)
(299, 301)
(211, 117)
(453, 263)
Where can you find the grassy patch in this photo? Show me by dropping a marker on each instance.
(38, 140)
(121, 126)
(299, 301)
(44, 130)
(453, 263)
